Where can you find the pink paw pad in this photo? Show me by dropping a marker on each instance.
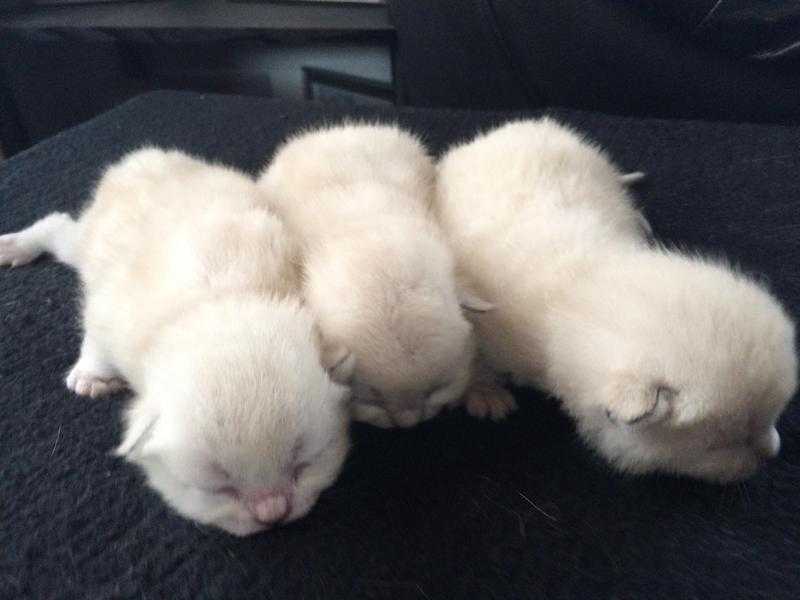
(87, 384)
(494, 403)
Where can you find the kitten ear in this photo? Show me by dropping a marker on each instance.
(140, 421)
(631, 403)
(339, 362)
(470, 301)
(336, 359)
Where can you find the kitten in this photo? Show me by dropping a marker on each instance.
(378, 277)
(186, 281)
(668, 361)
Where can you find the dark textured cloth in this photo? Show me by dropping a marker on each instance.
(455, 508)
(618, 57)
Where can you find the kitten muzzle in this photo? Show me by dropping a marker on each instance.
(268, 506)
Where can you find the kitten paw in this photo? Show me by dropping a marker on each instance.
(14, 252)
(85, 383)
(373, 415)
(489, 401)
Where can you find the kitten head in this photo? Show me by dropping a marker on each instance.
(393, 303)
(350, 153)
(422, 366)
(678, 365)
(238, 425)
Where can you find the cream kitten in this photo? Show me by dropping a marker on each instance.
(235, 421)
(378, 277)
(667, 361)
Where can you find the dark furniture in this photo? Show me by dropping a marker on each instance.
(61, 65)
(265, 17)
(732, 60)
(453, 509)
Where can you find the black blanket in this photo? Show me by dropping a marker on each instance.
(455, 508)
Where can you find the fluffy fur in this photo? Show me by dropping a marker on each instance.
(667, 361)
(378, 276)
(185, 278)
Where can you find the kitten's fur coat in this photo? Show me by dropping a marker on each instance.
(378, 276)
(186, 278)
(667, 361)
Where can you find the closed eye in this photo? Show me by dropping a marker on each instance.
(728, 444)
(217, 472)
(227, 490)
(298, 470)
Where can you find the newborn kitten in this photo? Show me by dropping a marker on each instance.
(235, 421)
(668, 361)
(378, 277)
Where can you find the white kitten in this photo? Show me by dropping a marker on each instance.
(378, 277)
(235, 421)
(668, 361)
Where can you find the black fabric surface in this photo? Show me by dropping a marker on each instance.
(455, 508)
(617, 57)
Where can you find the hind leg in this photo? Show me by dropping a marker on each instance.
(93, 375)
(55, 233)
(486, 397)
(489, 400)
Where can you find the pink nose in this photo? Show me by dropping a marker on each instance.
(269, 506)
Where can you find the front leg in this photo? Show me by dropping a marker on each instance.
(93, 375)
(57, 233)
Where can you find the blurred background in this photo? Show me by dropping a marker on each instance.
(64, 61)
